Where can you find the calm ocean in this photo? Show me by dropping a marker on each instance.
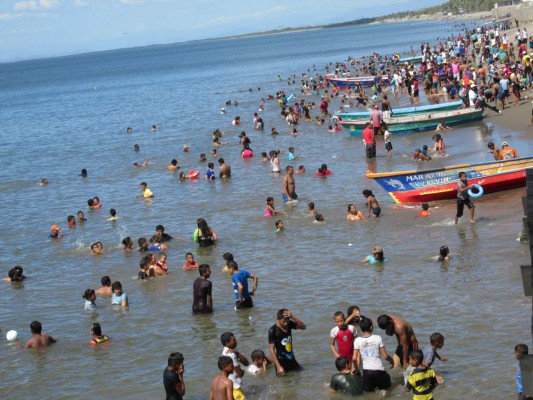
(63, 114)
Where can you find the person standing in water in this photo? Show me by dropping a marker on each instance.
(38, 339)
(202, 291)
(463, 198)
(289, 185)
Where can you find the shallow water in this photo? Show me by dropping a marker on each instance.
(61, 115)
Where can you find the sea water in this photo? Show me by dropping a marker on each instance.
(63, 114)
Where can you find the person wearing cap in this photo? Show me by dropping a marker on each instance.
(54, 232)
(376, 256)
(507, 153)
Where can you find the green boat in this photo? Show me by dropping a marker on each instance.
(417, 122)
(354, 116)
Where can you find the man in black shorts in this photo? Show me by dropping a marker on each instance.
(463, 198)
(280, 342)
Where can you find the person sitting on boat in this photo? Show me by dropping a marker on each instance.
(507, 153)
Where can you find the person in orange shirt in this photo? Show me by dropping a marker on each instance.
(506, 153)
(425, 211)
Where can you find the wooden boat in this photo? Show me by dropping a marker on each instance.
(352, 81)
(453, 105)
(417, 122)
(441, 183)
(412, 60)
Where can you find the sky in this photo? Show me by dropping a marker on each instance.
(47, 28)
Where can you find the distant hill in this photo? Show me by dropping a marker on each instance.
(453, 6)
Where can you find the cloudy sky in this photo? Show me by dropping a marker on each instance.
(44, 28)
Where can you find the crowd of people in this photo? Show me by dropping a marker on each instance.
(452, 68)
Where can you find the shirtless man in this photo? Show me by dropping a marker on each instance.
(495, 150)
(225, 169)
(393, 325)
(173, 166)
(222, 386)
(38, 339)
(289, 185)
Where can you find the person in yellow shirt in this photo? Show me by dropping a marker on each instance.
(147, 193)
(422, 380)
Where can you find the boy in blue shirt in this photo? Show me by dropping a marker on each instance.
(243, 298)
(520, 350)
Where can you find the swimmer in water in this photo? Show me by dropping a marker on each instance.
(311, 209)
(373, 205)
(112, 215)
(127, 243)
(105, 290)
(376, 257)
(154, 128)
(43, 182)
(202, 157)
(425, 211)
(90, 297)
(162, 261)
(270, 210)
(186, 148)
(15, 274)
(319, 218)
(97, 248)
(119, 297)
(190, 262)
(81, 217)
(71, 221)
(136, 147)
(264, 157)
(54, 232)
(300, 170)
(39, 339)
(354, 214)
(96, 332)
(141, 165)
(173, 166)
(279, 226)
(96, 202)
(444, 254)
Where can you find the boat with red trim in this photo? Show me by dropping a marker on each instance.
(441, 183)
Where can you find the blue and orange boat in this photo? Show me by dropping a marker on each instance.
(441, 183)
